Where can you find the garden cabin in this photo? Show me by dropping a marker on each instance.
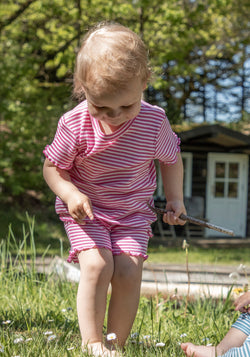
(216, 177)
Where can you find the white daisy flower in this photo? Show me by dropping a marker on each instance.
(28, 339)
(111, 336)
(183, 335)
(160, 344)
(47, 333)
(7, 322)
(51, 338)
(18, 340)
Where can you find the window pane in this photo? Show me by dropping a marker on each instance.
(233, 170)
(219, 189)
(233, 189)
(220, 170)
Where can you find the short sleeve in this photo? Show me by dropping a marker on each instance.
(64, 147)
(167, 144)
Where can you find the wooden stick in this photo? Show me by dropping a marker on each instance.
(193, 220)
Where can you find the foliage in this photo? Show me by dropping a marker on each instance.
(38, 313)
(192, 44)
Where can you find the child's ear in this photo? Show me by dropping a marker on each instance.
(144, 86)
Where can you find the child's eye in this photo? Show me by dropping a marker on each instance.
(100, 108)
(127, 106)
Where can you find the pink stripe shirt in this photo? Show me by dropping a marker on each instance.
(116, 171)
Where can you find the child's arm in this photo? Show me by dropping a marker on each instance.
(79, 205)
(172, 177)
(242, 303)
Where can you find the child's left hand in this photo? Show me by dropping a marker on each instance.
(175, 208)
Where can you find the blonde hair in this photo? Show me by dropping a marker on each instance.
(110, 55)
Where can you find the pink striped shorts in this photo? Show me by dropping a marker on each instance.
(99, 234)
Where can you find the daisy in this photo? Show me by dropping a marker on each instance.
(111, 336)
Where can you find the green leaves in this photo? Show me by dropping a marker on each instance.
(191, 43)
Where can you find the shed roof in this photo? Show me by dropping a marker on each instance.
(215, 137)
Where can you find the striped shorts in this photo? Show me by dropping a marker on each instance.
(99, 234)
(242, 324)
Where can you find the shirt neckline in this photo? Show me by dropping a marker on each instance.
(114, 135)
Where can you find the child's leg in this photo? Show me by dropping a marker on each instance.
(96, 272)
(126, 282)
(234, 338)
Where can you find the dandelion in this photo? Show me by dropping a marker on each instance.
(241, 268)
(51, 338)
(238, 291)
(1, 348)
(234, 276)
(7, 322)
(18, 340)
(185, 245)
(111, 336)
(160, 344)
(183, 335)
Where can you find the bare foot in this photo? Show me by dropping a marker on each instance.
(98, 349)
(191, 350)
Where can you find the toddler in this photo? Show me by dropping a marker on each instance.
(236, 343)
(101, 167)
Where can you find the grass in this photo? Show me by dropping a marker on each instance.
(38, 313)
(198, 255)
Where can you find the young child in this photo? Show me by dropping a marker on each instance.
(236, 343)
(101, 168)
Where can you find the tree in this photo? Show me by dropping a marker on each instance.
(193, 44)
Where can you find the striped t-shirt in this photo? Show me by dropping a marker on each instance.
(116, 171)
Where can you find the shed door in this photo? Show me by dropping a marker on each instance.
(227, 192)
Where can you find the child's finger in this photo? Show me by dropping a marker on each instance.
(88, 210)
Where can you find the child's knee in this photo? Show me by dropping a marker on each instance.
(96, 267)
(127, 275)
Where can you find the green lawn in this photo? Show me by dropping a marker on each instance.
(38, 314)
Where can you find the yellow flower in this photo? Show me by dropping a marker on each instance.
(238, 291)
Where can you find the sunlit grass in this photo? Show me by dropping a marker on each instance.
(38, 312)
(199, 255)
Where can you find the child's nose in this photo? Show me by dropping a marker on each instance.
(113, 113)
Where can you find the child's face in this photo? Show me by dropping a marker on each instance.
(114, 109)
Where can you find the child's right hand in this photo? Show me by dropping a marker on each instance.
(242, 303)
(80, 206)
